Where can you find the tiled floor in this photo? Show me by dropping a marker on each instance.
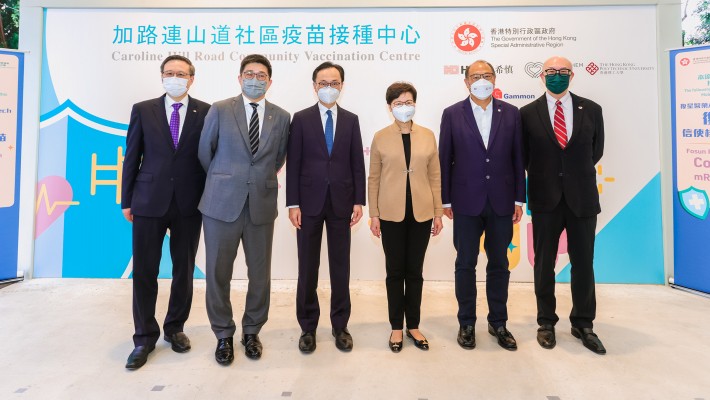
(69, 339)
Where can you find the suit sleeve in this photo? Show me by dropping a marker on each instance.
(293, 166)
(446, 157)
(526, 141)
(434, 171)
(598, 144)
(518, 161)
(357, 158)
(373, 180)
(209, 138)
(132, 158)
(283, 144)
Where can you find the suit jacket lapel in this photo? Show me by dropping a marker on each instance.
(161, 117)
(495, 122)
(240, 116)
(317, 129)
(544, 112)
(471, 120)
(577, 113)
(190, 118)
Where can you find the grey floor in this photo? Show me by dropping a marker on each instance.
(69, 339)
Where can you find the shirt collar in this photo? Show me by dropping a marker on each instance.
(261, 103)
(489, 106)
(169, 102)
(323, 109)
(566, 100)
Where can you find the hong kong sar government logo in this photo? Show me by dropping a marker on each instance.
(684, 61)
(467, 38)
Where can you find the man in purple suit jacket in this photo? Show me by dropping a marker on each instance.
(325, 183)
(483, 189)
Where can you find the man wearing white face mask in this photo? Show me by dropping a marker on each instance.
(483, 189)
(325, 184)
(162, 184)
(242, 148)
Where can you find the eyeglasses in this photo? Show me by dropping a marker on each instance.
(251, 74)
(324, 84)
(563, 72)
(398, 104)
(170, 74)
(487, 76)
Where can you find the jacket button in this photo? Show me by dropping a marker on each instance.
(488, 160)
(561, 174)
(488, 177)
(252, 163)
(248, 182)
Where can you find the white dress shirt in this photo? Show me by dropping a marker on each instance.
(260, 109)
(484, 119)
(566, 101)
(324, 116)
(182, 111)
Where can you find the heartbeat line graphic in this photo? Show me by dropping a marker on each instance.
(42, 197)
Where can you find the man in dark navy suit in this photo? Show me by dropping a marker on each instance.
(162, 184)
(483, 189)
(325, 184)
(563, 135)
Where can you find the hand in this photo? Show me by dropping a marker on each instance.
(449, 212)
(294, 214)
(437, 226)
(357, 214)
(375, 227)
(127, 214)
(518, 215)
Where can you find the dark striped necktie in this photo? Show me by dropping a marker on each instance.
(254, 129)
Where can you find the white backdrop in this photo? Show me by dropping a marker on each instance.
(615, 65)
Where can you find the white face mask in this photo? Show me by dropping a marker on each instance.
(482, 89)
(175, 87)
(403, 113)
(328, 95)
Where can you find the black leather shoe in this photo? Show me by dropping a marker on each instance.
(179, 341)
(139, 356)
(396, 347)
(546, 336)
(420, 344)
(343, 339)
(252, 346)
(225, 351)
(589, 339)
(505, 338)
(467, 337)
(307, 342)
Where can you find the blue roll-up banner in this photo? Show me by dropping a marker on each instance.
(690, 118)
(11, 79)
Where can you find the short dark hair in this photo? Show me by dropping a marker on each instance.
(327, 65)
(255, 58)
(180, 58)
(397, 89)
(493, 70)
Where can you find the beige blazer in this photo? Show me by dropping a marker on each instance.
(387, 183)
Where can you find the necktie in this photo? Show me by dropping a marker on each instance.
(254, 129)
(175, 124)
(560, 126)
(329, 131)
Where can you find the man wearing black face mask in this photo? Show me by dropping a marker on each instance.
(243, 146)
(563, 135)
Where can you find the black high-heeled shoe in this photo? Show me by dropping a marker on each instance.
(420, 344)
(396, 347)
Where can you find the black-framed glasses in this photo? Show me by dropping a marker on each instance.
(251, 75)
(171, 74)
(561, 71)
(398, 104)
(324, 84)
(487, 76)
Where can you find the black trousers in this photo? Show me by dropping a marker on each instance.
(148, 236)
(309, 239)
(467, 238)
(547, 228)
(405, 245)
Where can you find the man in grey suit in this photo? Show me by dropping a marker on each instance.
(243, 146)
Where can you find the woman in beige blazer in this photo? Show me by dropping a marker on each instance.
(405, 197)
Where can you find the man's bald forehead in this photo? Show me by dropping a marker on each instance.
(558, 62)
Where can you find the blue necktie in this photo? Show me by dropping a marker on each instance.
(329, 131)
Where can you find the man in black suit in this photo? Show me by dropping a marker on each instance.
(162, 184)
(325, 184)
(563, 136)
